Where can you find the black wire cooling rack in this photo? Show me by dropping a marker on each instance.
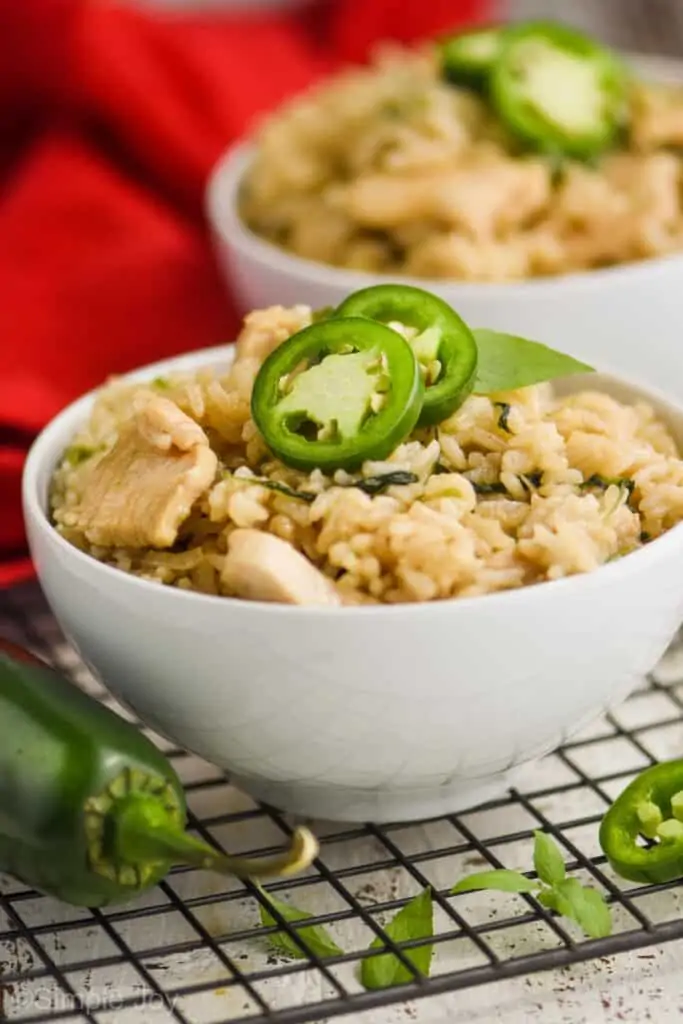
(193, 951)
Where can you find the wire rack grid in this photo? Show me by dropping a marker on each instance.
(194, 950)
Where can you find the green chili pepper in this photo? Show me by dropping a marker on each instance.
(467, 57)
(557, 89)
(444, 339)
(337, 393)
(652, 807)
(91, 812)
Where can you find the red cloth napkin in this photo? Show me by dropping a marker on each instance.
(112, 119)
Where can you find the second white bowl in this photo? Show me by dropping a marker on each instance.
(629, 316)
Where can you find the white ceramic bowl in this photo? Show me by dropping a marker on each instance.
(629, 316)
(374, 713)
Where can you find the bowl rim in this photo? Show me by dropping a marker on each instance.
(35, 512)
(221, 212)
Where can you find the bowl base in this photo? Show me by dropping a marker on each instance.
(379, 807)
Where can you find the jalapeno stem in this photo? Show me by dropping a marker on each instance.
(144, 831)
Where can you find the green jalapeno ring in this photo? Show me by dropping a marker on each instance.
(376, 434)
(456, 348)
(646, 807)
(537, 120)
(466, 58)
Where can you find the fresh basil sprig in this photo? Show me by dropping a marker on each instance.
(507, 362)
(566, 896)
(553, 888)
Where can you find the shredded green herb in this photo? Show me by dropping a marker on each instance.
(80, 453)
(161, 383)
(273, 485)
(392, 109)
(371, 485)
(497, 488)
(376, 484)
(289, 492)
(603, 482)
(529, 481)
(505, 410)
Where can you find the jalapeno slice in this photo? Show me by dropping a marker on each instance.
(445, 347)
(557, 89)
(651, 806)
(467, 58)
(337, 393)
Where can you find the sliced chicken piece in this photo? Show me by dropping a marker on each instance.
(139, 494)
(265, 329)
(261, 567)
(452, 255)
(586, 198)
(494, 196)
(652, 183)
(164, 425)
(481, 199)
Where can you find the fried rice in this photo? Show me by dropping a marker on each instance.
(389, 169)
(514, 489)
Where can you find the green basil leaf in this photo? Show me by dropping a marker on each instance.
(315, 936)
(501, 880)
(507, 362)
(548, 898)
(584, 905)
(548, 860)
(414, 921)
